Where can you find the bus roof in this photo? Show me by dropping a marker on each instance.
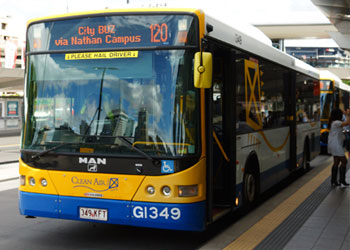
(249, 41)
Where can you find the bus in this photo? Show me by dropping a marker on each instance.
(334, 94)
(162, 118)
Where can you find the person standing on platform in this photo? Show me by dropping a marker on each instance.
(335, 145)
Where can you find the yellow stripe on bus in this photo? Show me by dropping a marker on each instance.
(274, 149)
(102, 55)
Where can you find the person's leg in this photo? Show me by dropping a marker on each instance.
(342, 171)
(336, 161)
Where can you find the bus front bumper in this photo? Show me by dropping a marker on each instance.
(180, 216)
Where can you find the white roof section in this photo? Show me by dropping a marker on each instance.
(249, 40)
(344, 87)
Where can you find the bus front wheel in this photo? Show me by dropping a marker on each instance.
(250, 188)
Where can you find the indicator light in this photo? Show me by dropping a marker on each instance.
(22, 180)
(188, 191)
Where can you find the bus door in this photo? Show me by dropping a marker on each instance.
(290, 82)
(221, 142)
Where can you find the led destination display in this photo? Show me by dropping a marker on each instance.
(113, 32)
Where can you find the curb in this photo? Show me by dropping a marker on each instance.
(7, 162)
(9, 179)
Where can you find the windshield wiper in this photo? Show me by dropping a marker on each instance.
(38, 155)
(155, 162)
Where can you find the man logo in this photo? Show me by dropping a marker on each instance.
(98, 161)
(92, 167)
(92, 163)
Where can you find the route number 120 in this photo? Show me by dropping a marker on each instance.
(159, 32)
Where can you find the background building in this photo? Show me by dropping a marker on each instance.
(11, 76)
(11, 44)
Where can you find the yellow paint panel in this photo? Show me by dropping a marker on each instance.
(97, 185)
(192, 176)
(111, 186)
(37, 174)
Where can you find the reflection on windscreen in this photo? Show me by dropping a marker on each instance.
(149, 100)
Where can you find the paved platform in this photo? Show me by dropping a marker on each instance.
(329, 226)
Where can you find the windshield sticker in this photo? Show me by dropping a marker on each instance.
(86, 150)
(102, 55)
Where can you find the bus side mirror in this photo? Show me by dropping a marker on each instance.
(203, 70)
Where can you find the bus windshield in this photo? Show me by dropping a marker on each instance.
(326, 99)
(146, 97)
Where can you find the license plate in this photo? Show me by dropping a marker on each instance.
(93, 213)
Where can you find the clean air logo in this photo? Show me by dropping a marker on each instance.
(95, 184)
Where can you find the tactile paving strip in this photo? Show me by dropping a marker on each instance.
(260, 231)
(286, 230)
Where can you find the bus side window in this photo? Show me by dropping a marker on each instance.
(307, 100)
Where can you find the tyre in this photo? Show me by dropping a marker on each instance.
(306, 159)
(250, 188)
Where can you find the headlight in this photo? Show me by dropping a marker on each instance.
(151, 190)
(166, 190)
(188, 191)
(31, 181)
(43, 182)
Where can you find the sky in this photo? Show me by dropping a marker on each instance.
(248, 11)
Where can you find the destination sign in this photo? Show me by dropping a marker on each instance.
(105, 32)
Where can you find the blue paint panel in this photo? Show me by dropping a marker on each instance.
(189, 217)
(172, 216)
(39, 205)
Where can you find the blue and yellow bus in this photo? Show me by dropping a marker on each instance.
(163, 118)
(334, 94)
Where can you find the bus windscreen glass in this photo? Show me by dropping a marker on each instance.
(146, 97)
(113, 32)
